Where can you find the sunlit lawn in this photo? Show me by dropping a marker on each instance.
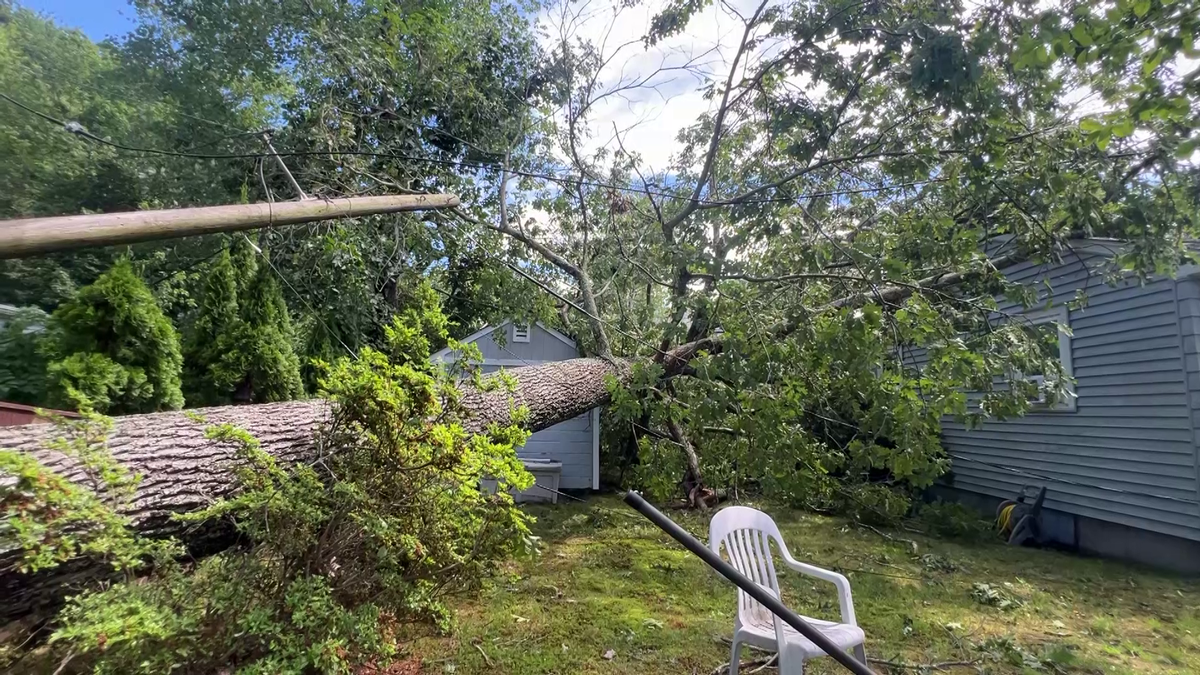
(606, 581)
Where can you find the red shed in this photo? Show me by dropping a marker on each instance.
(13, 414)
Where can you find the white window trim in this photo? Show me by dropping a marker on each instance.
(596, 448)
(1061, 316)
(517, 335)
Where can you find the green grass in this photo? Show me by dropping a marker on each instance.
(605, 581)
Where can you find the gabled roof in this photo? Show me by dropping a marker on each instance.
(488, 330)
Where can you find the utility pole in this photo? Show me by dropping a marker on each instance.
(33, 236)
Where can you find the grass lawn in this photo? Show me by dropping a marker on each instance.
(610, 585)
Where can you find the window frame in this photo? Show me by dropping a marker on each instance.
(518, 336)
(1061, 316)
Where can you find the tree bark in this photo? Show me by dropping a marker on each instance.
(183, 471)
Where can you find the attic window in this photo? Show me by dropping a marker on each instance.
(520, 332)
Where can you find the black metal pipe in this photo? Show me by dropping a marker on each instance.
(741, 581)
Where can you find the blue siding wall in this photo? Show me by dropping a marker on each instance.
(542, 346)
(1187, 299)
(568, 442)
(1128, 450)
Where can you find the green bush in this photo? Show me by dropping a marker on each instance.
(871, 503)
(241, 345)
(112, 350)
(951, 519)
(22, 366)
(338, 553)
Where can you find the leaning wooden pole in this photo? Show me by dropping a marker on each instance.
(32, 236)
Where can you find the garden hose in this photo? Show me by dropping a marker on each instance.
(1004, 520)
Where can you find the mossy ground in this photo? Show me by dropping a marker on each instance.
(608, 580)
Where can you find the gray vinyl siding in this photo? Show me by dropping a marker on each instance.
(568, 442)
(542, 346)
(571, 442)
(1187, 299)
(1129, 448)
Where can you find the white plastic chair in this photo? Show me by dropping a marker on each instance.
(745, 535)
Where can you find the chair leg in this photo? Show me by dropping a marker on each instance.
(860, 653)
(734, 657)
(793, 667)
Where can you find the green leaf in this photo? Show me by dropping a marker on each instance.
(1141, 8)
(1151, 63)
(1081, 35)
(1090, 126)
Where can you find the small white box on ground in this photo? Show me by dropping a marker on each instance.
(546, 474)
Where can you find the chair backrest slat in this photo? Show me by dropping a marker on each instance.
(745, 535)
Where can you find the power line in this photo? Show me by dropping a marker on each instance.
(80, 131)
(313, 311)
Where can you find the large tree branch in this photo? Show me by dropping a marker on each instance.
(587, 295)
(714, 143)
(894, 293)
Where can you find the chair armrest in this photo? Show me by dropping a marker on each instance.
(845, 601)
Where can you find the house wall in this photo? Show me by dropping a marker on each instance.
(571, 442)
(1187, 302)
(568, 442)
(1127, 455)
(542, 346)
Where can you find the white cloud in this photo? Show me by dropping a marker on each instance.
(649, 117)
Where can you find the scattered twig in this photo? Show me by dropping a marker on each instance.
(65, 661)
(944, 665)
(770, 662)
(486, 658)
(759, 664)
(878, 574)
(911, 542)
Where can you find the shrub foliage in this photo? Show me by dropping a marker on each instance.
(112, 350)
(338, 554)
(241, 346)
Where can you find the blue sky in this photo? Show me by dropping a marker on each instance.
(98, 19)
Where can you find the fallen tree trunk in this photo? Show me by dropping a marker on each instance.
(183, 471)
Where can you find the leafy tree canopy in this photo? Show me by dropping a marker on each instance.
(826, 249)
